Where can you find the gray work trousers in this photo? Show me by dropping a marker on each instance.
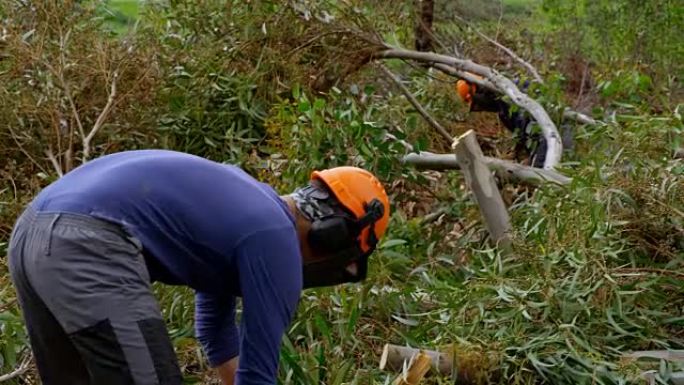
(84, 291)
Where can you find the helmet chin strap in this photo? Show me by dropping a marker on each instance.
(374, 212)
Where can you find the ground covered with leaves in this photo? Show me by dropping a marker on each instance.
(281, 88)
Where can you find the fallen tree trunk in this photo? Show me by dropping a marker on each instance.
(503, 169)
(548, 128)
(480, 181)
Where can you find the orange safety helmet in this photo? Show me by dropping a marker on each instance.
(466, 90)
(355, 189)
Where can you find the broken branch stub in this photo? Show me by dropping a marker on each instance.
(548, 128)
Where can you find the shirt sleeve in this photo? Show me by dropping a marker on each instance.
(215, 327)
(270, 270)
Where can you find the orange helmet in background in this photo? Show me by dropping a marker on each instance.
(466, 90)
(363, 195)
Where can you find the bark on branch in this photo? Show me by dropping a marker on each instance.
(548, 128)
(503, 169)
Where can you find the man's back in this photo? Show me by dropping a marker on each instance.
(189, 213)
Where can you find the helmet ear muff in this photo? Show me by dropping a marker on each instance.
(331, 234)
(339, 232)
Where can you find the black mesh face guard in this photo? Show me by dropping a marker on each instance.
(315, 202)
(333, 236)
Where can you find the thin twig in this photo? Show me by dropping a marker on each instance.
(581, 90)
(24, 151)
(21, 369)
(648, 270)
(404, 143)
(55, 163)
(579, 117)
(8, 305)
(431, 121)
(530, 68)
(100, 119)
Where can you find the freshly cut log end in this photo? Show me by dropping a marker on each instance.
(467, 367)
(394, 357)
(418, 368)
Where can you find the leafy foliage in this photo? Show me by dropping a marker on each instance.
(597, 266)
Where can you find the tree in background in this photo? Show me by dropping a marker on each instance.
(424, 25)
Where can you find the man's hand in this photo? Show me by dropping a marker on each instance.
(227, 370)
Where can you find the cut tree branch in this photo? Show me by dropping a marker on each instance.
(100, 119)
(421, 110)
(548, 128)
(479, 179)
(503, 169)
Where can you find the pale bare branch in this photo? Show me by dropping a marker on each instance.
(100, 119)
(579, 117)
(23, 149)
(529, 67)
(55, 163)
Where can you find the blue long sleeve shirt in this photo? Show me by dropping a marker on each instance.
(206, 225)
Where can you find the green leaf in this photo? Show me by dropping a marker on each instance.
(391, 243)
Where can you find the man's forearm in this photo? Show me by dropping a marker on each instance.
(227, 370)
